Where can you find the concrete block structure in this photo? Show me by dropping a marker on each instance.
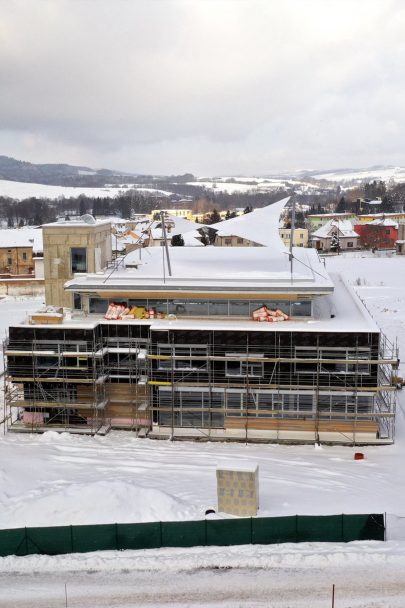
(238, 489)
(71, 247)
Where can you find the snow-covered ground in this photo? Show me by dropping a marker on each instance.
(21, 190)
(397, 174)
(55, 479)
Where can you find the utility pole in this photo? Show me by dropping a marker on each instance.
(162, 218)
(292, 234)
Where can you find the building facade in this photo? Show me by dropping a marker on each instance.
(70, 247)
(178, 353)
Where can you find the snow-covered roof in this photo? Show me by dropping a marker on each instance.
(213, 269)
(77, 222)
(180, 225)
(384, 222)
(260, 226)
(345, 228)
(341, 312)
(22, 237)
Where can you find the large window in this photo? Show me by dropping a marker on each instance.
(332, 360)
(209, 308)
(78, 259)
(268, 404)
(187, 352)
(191, 408)
(251, 369)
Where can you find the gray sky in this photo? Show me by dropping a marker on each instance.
(208, 86)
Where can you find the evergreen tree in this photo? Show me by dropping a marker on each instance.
(177, 240)
(334, 241)
(82, 206)
(341, 206)
(386, 205)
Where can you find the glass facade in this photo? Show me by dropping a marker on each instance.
(208, 308)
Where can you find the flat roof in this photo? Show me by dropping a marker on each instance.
(77, 223)
(216, 269)
(339, 312)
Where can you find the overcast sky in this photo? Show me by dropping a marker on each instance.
(208, 86)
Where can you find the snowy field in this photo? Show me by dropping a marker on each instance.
(396, 174)
(21, 190)
(55, 479)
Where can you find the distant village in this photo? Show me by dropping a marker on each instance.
(365, 227)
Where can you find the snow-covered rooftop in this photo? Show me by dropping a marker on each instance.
(260, 226)
(384, 222)
(79, 222)
(214, 269)
(345, 228)
(22, 237)
(341, 312)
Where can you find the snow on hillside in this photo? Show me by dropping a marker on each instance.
(397, 174)
(21, 190)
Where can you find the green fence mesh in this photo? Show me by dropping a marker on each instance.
(49, 541)
(267, 531)
(261, 530)
(139, 536)
(183, 533)
(229, 531)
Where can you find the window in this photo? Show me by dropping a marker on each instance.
(252, 369)
(78, 259)
(9, 261)
(228, 241)
(332, 360)
(240, 241)
(350, 244)
(24, 255)
(98, 305)
(186, 352)
(191, 408)
(77, 301)
(343, 406)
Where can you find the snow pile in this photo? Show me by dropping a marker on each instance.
(107, 501)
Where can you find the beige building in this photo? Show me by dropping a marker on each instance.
(230, 240)
(72, 247)
(19, 247)
(185, 213)
(300, 238)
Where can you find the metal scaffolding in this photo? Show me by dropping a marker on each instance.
(199, 386)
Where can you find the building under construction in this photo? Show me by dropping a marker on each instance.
(248, 344)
